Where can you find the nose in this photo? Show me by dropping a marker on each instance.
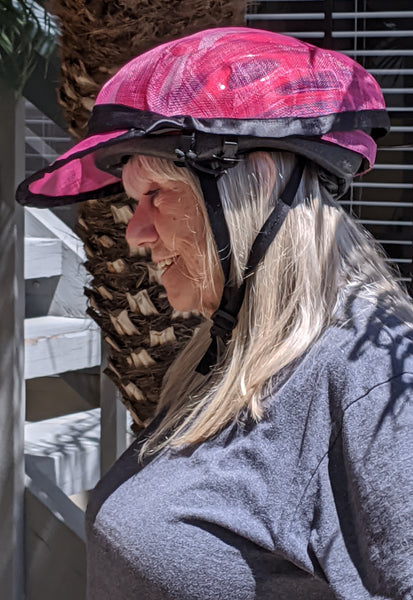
(141, 230)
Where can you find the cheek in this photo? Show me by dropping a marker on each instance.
(183, 223)
(195, 224)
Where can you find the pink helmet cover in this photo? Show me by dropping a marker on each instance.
(242, 73)
(241, 76)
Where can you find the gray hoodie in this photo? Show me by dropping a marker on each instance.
(315, 502)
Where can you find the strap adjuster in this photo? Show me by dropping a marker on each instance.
(223, 324)
(229, 154)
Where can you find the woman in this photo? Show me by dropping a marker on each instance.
(278, 464)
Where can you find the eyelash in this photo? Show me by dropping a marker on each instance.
(152, 194)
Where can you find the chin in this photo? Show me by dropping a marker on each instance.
(183, 304)
(190, 298)
(186, 305)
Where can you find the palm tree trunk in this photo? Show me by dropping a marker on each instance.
(125, 297)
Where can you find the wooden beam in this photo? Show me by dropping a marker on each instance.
(42, 257)
(66, 450)
(54, 542)
(58, 344)
(68, 297)
(113, 420)
(11, 347)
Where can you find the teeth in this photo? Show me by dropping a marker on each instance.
(162, 264)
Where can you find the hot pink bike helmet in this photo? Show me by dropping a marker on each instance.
(206, 100)
(212, 96)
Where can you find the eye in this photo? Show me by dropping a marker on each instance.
(152, 193)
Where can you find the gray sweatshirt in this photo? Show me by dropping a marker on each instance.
(315, 502)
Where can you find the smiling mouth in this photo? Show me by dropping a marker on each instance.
(163, 265)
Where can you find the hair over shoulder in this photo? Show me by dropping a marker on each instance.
(319, 258)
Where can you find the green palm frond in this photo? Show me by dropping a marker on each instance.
(26, 32)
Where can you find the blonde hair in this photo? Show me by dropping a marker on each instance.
(319, 259)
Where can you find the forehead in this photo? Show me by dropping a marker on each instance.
(137, 179)
(176, 196)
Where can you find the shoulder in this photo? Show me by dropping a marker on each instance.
(369, 348)
(373, 365)
(356, 383)
(366, 327)
(370, 345)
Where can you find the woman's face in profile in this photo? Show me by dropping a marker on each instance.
(169, 221)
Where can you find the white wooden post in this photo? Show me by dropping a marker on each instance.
(113, 421)
(12, 399)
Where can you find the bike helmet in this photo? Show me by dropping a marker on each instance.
(206, 100)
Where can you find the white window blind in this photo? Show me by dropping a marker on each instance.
(382, 41)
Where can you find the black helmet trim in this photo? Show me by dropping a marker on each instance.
(217, 153)
(112, 117)
(165, 137)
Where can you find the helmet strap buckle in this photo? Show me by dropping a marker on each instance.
(228, 156)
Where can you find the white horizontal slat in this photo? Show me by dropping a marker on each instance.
(59, 344)
(313, 16)
(387, 184)
(400, 108)
(371, 34)
(399, 261)
(401, 128)
(305, 34)
(390, 167)
(286, 17)
(397, 90)
(373, 203)
(385, 222)
(397, 242)
(42, 257)
(378, 52)
(335, 15)
(404, 148)
(371, 14)
(390, 71)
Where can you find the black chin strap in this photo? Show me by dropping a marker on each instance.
(225, 318)
(210, 192)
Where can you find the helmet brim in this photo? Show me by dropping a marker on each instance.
(92, 168)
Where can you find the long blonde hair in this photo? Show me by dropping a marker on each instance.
(319, 258)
